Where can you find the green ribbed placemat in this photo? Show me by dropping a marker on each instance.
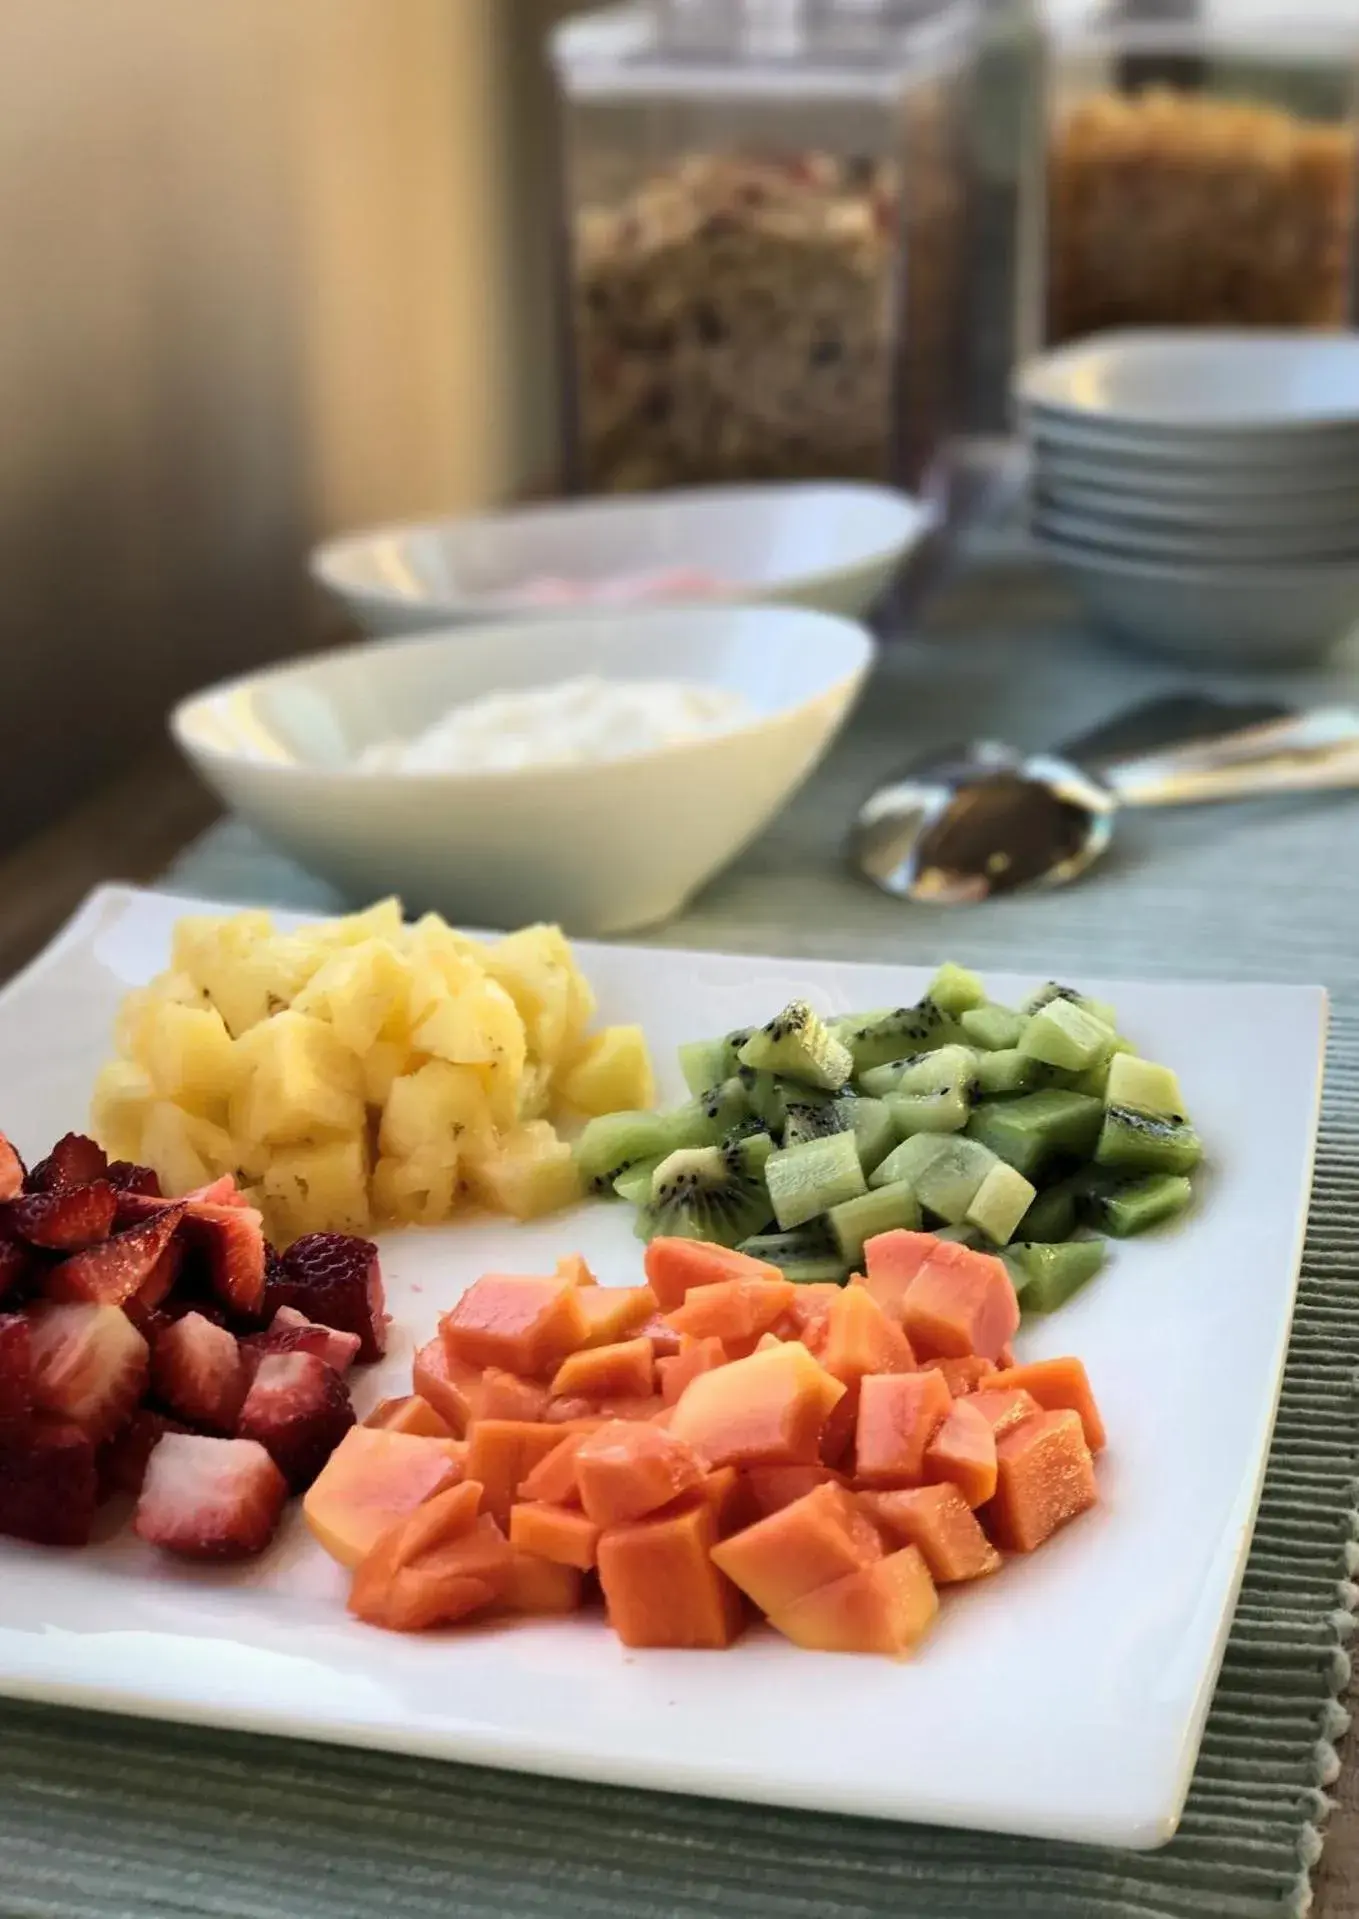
(116, 1818)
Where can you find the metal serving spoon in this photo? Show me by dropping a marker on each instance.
(982, 818)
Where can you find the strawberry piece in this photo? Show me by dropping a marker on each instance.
(125, 1176)
(16, 1374)
(89, 1365)
(16, 1265)
(62, 1221)
(48, 1485)
(75, 1160)
(232, 1237)
(336, 1279)
(159, 1282)
(11, 1171)
(150, 1321)
(210, 1498)
(198, 1372)
(299, 1410)
(113, 1271)
(292, 1332)
(122, 1463)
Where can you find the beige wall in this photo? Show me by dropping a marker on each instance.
(271, 267)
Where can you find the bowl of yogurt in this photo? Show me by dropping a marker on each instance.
(595, 770)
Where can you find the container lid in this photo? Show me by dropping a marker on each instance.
(726, 47)
(1309, 27)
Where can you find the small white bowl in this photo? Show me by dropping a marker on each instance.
(830, 546)
(1250, 493)
(1137, 537)
(603, 848)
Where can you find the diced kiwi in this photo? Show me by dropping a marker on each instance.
(954, 990)
(707, 1062)
(1097, 1008)
(1009, 1071)
(946, 1066)
(803, 1121)
(1124, 1207)
(612, 1143)
(1138, 1083)
(797, 1045)
(1147, 1142)
(752, 1147)
(953, 1178)
(634, 1183)
(1000, 1202)
(1045, 1277)
(843, 1024)
(904, 1031)
(963, 1236)
(882, 1210)
(1064, 1034)
(869, 1120)
(944, 1111)
(1031, 1131)
(994, 1028)
(809, 1179)
(705, 1192)
(805, 1256)
(1052, 1215)
(909, 1159)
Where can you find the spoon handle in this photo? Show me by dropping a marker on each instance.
(1307, 752)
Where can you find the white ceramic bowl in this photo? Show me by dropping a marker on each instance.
(603, 848)
(1248, 493)
(1139, 537)
(831, 546)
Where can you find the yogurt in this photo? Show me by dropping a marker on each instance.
(572, 723)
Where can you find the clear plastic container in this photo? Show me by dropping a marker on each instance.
(764, 226)
(1200, 165)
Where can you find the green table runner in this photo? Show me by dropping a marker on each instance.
(116, 1817)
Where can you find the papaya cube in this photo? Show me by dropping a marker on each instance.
(819, 1538)
(673, 1266)
(886, 1607)
(451, 1386)
(608, 1372)
(1044, 1477)
(891, 1262)
(940, 1522)
(526, 1325)
(508, 1396)
(725, 1491)
(963, 1452)
(501, 1453)
(661, 1586)
(808, 1313)
(612, 1313)
(1058, 1385)
(434, 1567)
(695, 1356)
(572, 1266)
(540, 1586)
(374, 1477)
(769, 1409)
(557, 1533)
(1003, 1408)
(965, 1375)
(960, 1302)
(771, 1488)
(554, 1476)
(736, 1311)
(410, 1414)
(665, 1341)
(861, 1339)
(625, 1470)
(899, 1414)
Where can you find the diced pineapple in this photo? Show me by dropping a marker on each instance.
(167, 1146)
(299, 1083)
(430, 1113)
(612, 1073)
(381, 921)
(414, 1192)
(313, 1189)
(529, 1172)
(479, 1026)
(535, 1093)
(190, 1055)
(361, 990)
(431, 934)
(121, 1101)
(555, 1002)
(220, 956)
(385, 1061)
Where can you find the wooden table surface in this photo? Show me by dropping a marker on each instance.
(131, 830)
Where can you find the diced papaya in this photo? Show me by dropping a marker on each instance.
(507, 1396)
(374, 1477)
(1003, 1408)
(572, 1266)
(409, 1414)
(725, 1491)
(1045, 1476)
(665, 1341)
(963, 1452)
(695, 1356)
(625, 1471)
(861, 1339)
(501, 1453)
(736, 1311)
(782, 1558)
(1058, 1385)
(960, 1302)
(527, 1325)
(808, 1314)
(554, 1477)
(540, 1586)
(763, 1344)
(770, 1409)
(771, 1488)
(661, 1586)
(557, 1533)
(899, 1414)
(571, 1411)
(615, 1312)
(891, 1262)
(1005, 1358)
(940, 1522)
(638, 1407)
(451, 1386)
(966, 1374)
(886, 1607)
(434, 1567)
(837, 1438)
(624, 1369)
(673, 1266)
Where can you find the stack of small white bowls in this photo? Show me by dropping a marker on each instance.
(1201, 488)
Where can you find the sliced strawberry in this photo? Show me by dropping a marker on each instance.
(293, 1332)
(210, 1498)
(160, 1281)
(336, 1280)
(122, 1463)
(197, 1371)
(16, 1265)
(232, 1238)
(11, 1171)
(16, 1374)
(89, 1365)
(75, 1160)
(150, 1321)
(48, 1484)
(135, 1206)
(127, 1177)
(298, 1408)
(113, 1271)
(63, 1221)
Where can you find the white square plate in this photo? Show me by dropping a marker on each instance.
(1064, 1698)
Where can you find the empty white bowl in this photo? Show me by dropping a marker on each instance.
(1137, 536)
(603, 848)
(830, 546)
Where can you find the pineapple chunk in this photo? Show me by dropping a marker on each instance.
(414, 1192)
(300, 1082)
(611, 1074)
(190, 1055)
(381, 921)
(220, 957)
(361, 990)
(385, 1061)
(536, 968)
(313, 1189)
(477, 1027)
(119, 1107)
(529, 1172)
(168, 1147)
(430, 1113)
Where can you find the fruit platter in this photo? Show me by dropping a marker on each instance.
(760, 1378)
